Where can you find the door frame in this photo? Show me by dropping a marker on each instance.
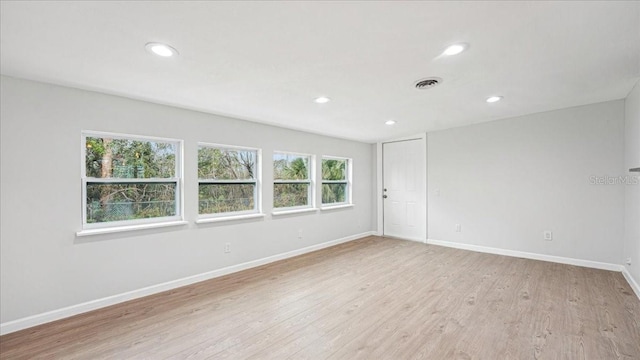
(380, 180)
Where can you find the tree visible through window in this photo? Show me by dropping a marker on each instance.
(335, 181)
(292, 180)
(128, 178)
(227, 180)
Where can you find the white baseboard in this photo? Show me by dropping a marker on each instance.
(528, 255)
(632, 282)
(30, 321)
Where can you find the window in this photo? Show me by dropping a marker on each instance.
(228, 181)
(128, 180)
(292, 180)
(336, 185)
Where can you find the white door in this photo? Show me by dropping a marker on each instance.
(404, 189)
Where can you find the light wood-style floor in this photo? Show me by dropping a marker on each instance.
(373, 298)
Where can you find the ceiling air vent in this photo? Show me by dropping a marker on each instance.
(428, 83)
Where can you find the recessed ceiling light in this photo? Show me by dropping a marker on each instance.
(455, 49)
(493, 99)
(159, 49)
(322, 100)
(390, 122)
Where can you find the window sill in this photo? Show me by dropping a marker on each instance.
(336, 207)
(89, 232)
(228, 218)
(293, 211)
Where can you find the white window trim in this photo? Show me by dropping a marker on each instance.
(348, 181)
(116, 229)
(136, 224)
(311, 191)
(336, 207)
(293, 210)
(229, 218)
(235, 215)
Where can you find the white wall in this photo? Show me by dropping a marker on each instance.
(508, 181)
(45, 267)
(632, 193)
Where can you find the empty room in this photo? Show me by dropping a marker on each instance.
(320, 180)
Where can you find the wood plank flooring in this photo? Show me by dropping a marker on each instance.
(374, 298)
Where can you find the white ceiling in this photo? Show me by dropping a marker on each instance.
(267, 61)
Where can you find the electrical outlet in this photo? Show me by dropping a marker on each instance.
(548, 235)
(628, 261)
(227, 247)
(458, 228)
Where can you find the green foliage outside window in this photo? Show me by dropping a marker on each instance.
(292, 180)
(227, 180)
(290, 167)
(226, 164)
(129, 159)
(334, 181)
(289, 195)
(112, 159)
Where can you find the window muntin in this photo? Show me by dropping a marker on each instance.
(227, 180)
(336, 185)
(128, 180)
(292, 180)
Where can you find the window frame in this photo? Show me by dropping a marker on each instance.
(347, 181)
(133, 224)
(257, 181)
(311, 201)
